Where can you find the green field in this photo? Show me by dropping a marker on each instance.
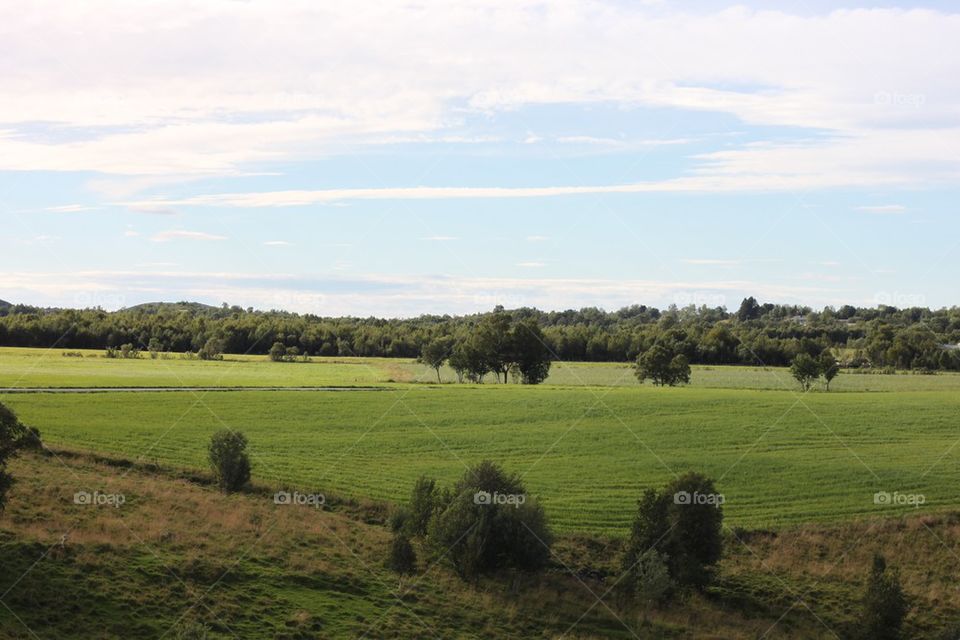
(28, 368)
(587, 453)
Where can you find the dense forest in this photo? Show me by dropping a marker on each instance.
(770, 334)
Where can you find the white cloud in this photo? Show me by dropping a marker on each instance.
(441, 238)
(883, 208)
(277, 243)
(70, 208)
(213, 87)
(531, 264)
(711, 261)
(390, 294)
(166, 236)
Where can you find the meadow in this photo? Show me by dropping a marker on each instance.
(48, 368)
(779, 457)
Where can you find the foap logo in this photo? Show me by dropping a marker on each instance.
(699, 299)
(685, 498)
(97, 499)
(92, 300)
(900, 300)
(487, 498)
(896, 99)
(315, 500)
(887, 499)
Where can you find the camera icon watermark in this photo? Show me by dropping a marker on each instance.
(887, 499)
(97, 499)
(685, 498)
(316, 500)
(495, 498)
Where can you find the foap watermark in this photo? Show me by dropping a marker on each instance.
(316, 500)
(897, 499)
(685, 498)
(487, 498)
(495, 298)
(97, 499)
(99, 299)
(299, 301)
(699, 299)
(897, 99)
(899, 299)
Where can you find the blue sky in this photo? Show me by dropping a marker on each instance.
(401, 159)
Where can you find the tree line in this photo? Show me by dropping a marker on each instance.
(767, 334)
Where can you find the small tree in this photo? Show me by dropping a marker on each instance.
(435, 353)
(662, 365)
(805, 370)
(653, 584)
(530, 352)
(212, 350)
(683, 522)
(403, 558)
(12, 435)
(229, 460)
(487, 523)
(423, 501)
(884, 604)
(829, 367)
(277, 352)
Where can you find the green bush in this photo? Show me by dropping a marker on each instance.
(884, 604)
(403, 559)
(488, 523)
(228, 459)
(682, 522)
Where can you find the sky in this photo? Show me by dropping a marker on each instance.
(400, 158)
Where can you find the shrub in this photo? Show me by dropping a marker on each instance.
(487, 523)
(228, 459)
(683, 522)
(211, 350)
(805, 370)
(653, 584)
(403, 559)
(423, 501)
(884, 604)
(12, 435)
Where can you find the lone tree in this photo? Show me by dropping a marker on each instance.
(663, 365)
(13, 436)
(530, 352)
(884, 604)
(829, 367)
(435, 353)
(229, 460)
(805, 370)
(487, 523)
(682, 522)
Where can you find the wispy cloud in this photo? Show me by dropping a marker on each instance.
(277, 243)
(70, 208)
(883, 208)
(441, 238)
(531, 264)
(166, 236)
(711, 261)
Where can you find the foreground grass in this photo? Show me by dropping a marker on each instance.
(30, 368)
(779, 458)
(178, 551)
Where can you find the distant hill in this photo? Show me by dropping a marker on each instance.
(156, 307)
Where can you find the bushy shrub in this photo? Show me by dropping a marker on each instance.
(12, 437)
(403, 558)
(229, 460)
(683, 522)
(884, 604)
(487, 523)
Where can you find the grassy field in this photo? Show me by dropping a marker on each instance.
(49, 368)
(178, 552)
(779, 458)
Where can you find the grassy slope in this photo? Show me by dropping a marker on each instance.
(48, 368)
(252, 569)
(178, 550)
(778, 457)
